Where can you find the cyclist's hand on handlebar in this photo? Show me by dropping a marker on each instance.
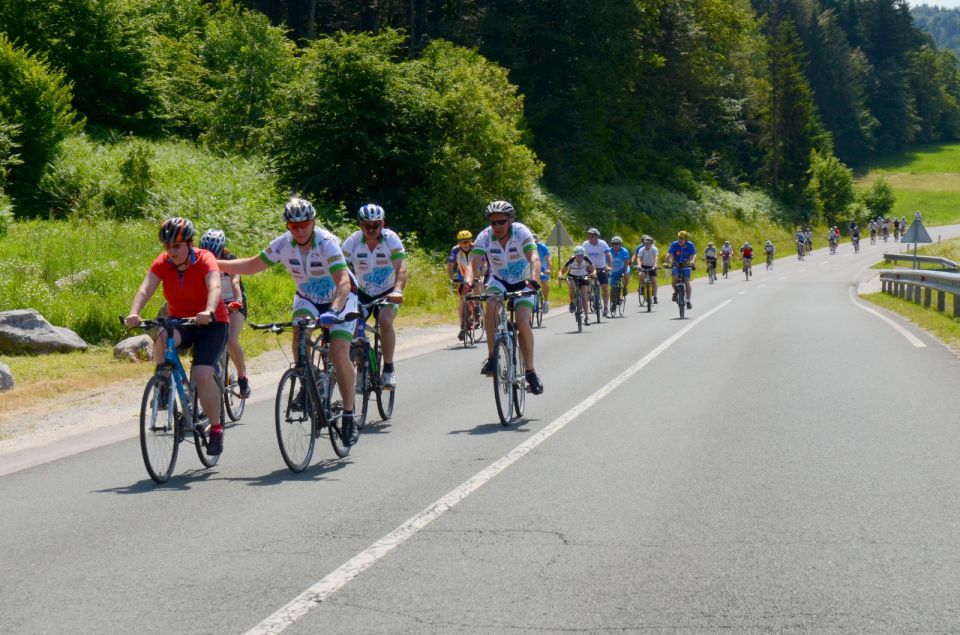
(328, 319)
(133, 320)
(533, 284)
(234, 306)
(204, 318)
(396, 297)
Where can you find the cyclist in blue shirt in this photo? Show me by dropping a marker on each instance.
(683, 256)
(620, 263)
(544, 252)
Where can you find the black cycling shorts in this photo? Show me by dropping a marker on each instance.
(207, 341)
(602, 276)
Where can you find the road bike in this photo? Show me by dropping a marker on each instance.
(769, 260)
(308, 402)
(873, 237)
(170, 409)
(801, 250)
(233, 397)
(712, 270)
(596, 298)
(856, 244)
(577, 300)
(680, 290)
(646, 287)
(536, 316)
(747, 267)
(618, 296)
(509, 370)
(726, 266)
(368, 360)
(833, 247)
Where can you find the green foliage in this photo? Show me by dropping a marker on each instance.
(879, 199)
(830, 187)
(35, 108)
(132, 196)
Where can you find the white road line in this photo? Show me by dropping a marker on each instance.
(742, 292)
(913, 339)
(316, 594)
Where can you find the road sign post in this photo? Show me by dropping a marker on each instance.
(559, 238)
(916, 234)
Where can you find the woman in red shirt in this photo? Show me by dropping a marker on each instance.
(191, 287)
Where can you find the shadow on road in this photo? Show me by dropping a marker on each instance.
(493, 428)
(177, 482)
(378, 427)
(316, 472)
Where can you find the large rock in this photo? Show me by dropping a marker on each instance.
(137, 349)
(6, 377)
(26, 331)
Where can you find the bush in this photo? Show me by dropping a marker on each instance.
(880, 198)
(35, 106)
(830, 187)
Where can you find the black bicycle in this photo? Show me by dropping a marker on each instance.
(170, 409)
(747, 267)
(577, 300)
(233, 397)
(309, 402)
(618, 296)
(712, 270)
(646, 287)
(368, 359)
(801, 250)
(471, 322)
(680, 289)
(596, 299)
(856, 244)
(536, 316)
(509, 370)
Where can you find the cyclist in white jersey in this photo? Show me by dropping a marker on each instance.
(378, 260)
(325, 290)
(599, 253)
(233, 296)
(647, 259)
(512, 255)
(579, 270)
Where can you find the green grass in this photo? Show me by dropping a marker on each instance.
(925, 178)
(943, 326)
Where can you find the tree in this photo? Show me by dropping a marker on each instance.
(880, 198)
(830, 187)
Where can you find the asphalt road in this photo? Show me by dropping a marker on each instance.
(782, 460)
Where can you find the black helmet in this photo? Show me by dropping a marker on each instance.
(174, 230)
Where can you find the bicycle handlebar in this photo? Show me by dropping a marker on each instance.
(163, 322)
(307, 323)
(509, 294)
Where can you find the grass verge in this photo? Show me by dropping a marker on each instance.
(943, 326)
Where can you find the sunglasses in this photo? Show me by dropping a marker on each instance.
(370, 227)
(464, 243)
(496, 223)
(304, 224)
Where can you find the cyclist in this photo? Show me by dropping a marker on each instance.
(896, 228)
(599, 252)
(235, 298)
(191, 287)
(746, 253)
(683, 258)
(545, 265)
(769, 249)
(620, 263)
(325, 291)
(855, 236)
(873, 231)
(726, 252)
(808, 233)
(579, 270)
(710, 255)
(378, 260)
(457, 264)
(800, 239)
(646, 258)
(832, 239)
(509, 247)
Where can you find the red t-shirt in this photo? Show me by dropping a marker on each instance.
(186, 293)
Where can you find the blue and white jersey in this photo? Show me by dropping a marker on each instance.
(374, 268)
(621, 258)
(311, 270)
(507, 262)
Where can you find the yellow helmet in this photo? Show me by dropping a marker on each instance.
(683, 234)
(464, 234)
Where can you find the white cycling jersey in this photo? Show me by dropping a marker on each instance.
(312, 271)
(710, 252)
(507, 262)
(581, 268)
(648, 256)
(374, 267)
(597, 253)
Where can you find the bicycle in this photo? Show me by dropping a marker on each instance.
(856, 244)
(234, 401)
(873, 238)
(747, 267)
(308, 397)
(509, 370)
(536, 316)
(577, 300)
(618, 297)
(470, 326)
(833, 247)
(596, 299)
(726, 266)
(769, 260)
(711, 270)
(646, 287)
(368, 360)
(801, 251)
(680, 291)
(164, 425)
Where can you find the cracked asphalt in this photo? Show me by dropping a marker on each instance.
(790, 464)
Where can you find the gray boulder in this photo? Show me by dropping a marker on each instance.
(26, 331)
(137, 349)
(6, 377)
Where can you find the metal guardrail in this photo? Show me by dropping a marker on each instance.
(918, 285)
(946, 263)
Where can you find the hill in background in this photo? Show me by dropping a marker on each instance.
(942, 24)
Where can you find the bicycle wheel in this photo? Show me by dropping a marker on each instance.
(726, 268)
(648, 295)
(614, 299)
(502, 381)
(201, 429)
(235, 403)
(478, 331)
(519, 381)
(681, 298)
(384, 401)
(332, 406)
(466, 325)
(578, 310)
(295, 420)
(361, 398)
(539, 313)
(159, 429)
(597, 302)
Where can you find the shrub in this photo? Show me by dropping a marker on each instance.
(830, 187)
(880, 198)
(35, 104)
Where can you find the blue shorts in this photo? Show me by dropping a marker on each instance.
(544, 275)
(682, 274)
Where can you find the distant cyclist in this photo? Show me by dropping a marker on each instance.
(620, 263)
(873, 231)
(647, 258)
(599, 253)
(746, 252)
(726, 253)
(457, 264)
(579, 270)
(769, 250)
(235, 298)
(191, 287)
(545, 265)
(683, 258)
(800, 239)
(855, 237)
(710, 255)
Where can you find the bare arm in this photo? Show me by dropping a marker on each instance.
(143, 295)
(243, 266)
(400, 267)
(213, 297)
(237, 291)
(342, 279)
(534, 259)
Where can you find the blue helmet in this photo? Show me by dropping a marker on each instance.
(371, 212)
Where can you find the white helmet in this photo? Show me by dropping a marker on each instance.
(579, 251)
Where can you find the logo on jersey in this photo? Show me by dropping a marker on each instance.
(318, 288)
(377, 277)
(514, 270)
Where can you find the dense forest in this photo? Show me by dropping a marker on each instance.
(433, 107)
(943, 25)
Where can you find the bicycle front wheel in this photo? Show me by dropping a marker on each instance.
(385, 398)
(519, 382)
(296, 420)
(201, 431)
(361, 398)
(539, 313)
(333, 413)
(234, 402)
(159, 429)
(502, 381)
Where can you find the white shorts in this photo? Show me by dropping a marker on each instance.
(303, 306)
